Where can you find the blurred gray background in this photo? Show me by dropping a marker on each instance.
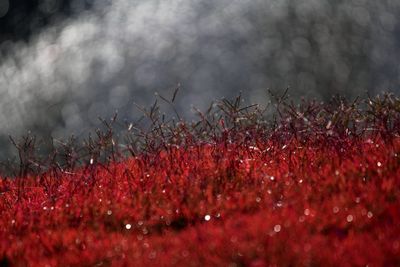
(64, 63)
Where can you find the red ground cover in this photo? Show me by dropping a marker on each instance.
(297, 194)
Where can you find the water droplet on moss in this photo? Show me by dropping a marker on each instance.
(335, 209)
(349, 218)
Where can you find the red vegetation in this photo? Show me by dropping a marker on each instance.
(319, 187)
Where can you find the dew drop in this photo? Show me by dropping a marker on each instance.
(370, 214)
(277, 228)
(207, 217)
(379, 164)
(185, 253)
(335, 209)
(153, 255)
(349, 218)
(128, 226)
(109, 212)
(254, 148)
(306, 212)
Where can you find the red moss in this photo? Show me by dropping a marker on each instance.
(281, 197)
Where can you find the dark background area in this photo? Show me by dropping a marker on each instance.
(25, 18)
